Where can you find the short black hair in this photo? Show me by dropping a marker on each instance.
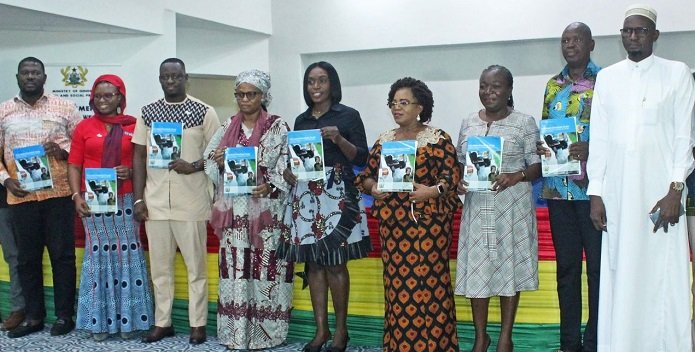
(333, 79)
(507, 75)
(31, 59)
(173, 60)
(420, 91)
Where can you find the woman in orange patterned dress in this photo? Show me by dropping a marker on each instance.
(415, 227)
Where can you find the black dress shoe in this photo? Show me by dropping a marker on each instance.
(25, 329)
(333, 348)
(62, 326)
(197, 335)
(309, 348)
(157, 333)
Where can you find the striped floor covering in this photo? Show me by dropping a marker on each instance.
(536, 328)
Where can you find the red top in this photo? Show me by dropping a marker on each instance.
(88, 146)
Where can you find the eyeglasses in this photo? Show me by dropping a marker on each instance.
(177, 77)
(638, 31)
(248, 95)
(105, 96)
(566, 41)
(403, 103)
(322, 81)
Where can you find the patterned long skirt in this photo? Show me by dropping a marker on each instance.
(420, 314)
(115, 294)
(255, 288)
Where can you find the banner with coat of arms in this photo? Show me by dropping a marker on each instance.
(74, 82)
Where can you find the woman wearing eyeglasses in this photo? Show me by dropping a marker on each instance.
(114, 294)
(415, 227)
(325, 222)
(498, 244)
(255, 284)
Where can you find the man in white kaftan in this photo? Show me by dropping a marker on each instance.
(639, 156)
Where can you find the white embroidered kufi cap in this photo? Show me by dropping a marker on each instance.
(641, 10)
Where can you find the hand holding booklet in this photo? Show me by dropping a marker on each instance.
(33, 169)
(557, 136)
(483, 162)
(240, 170)
(101, 190)
(165, 144)
(306, 155)
(397, 166)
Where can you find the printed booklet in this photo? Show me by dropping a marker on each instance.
(483, 162)
(397, 166)
(239, 170)
(306, 154)
(101, 190)
(33, 171)
(557, 135)
(165, 144)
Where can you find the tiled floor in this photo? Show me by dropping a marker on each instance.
(82, 341)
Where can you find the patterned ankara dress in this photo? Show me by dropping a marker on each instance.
(419, 310)
(115, 294)
(498, 244)
(255, 285)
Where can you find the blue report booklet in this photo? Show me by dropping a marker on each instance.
(306, 155)
(483, 161)
(165, 144)
(33, 170)
(557, 136)
(101, 190)
(240, 170)
(397, 166)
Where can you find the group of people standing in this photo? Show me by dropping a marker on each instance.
(638, 112)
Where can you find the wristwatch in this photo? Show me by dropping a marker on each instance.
(677, 186)
(440, 188)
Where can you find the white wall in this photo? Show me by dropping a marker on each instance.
(214, 37)
(446, 43)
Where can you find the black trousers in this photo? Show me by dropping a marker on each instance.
(573, 232)
(51, 224)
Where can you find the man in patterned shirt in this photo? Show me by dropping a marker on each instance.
(175, 202)
(46, 217)
(568, 95)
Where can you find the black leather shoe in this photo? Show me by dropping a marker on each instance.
(198, 335)
(309, 348)
(25, 329)
(333, 348)
(157, 333)
(62, 326)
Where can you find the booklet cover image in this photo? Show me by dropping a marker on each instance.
(483, 162)
(397, 166)
(240, 168)
(33, 170)
(165, 144)
(306, 154)
(101, 190)
(557, 136)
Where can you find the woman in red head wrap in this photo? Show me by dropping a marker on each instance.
(114, 294)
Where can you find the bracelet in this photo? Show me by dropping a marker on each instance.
(138, 201)
(523, 175)
(74, 194)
